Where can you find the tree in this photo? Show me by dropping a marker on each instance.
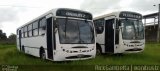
(12, 37)
(2, 35)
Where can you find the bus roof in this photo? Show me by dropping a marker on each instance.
(53, 12)
(117, 13)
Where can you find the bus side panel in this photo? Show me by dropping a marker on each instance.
(109, 36)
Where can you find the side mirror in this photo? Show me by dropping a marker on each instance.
(120, 27)
(113, 26)
(99, 29)
(56, 26)
(55, 30)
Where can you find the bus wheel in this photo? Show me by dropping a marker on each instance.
(98, 50)
(42, 54)
(23, 50)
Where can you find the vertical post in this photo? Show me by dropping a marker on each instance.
(158, 33)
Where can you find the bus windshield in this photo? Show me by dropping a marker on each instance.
(73, 31)
(132, 29)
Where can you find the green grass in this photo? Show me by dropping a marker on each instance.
(150, 56)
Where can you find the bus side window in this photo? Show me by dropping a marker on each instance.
(42, 26)
(35, 28)
(99, 25)
(29, 30)
(25, 31)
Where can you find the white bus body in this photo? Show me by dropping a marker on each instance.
(120, 32)
(59, 35)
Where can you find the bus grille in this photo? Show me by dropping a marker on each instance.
(82, 56)
(137, 49)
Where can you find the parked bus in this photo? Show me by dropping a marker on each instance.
(59, 35)
(120, 32)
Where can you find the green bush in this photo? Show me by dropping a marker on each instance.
(7, 42)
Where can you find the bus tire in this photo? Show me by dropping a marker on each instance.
(42, 53)
(23, 49)
(98, 49)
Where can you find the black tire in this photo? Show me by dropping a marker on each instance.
(98, 50)
(23, 49)
(42, 54)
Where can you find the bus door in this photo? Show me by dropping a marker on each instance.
(49, 38)
(20, 36)
(109, 35)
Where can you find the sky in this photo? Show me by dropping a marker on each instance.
(15, 13)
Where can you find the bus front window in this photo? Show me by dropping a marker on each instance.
(132, 29)
(72, 31)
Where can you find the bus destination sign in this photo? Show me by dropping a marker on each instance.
(73, 13)
(130, 15)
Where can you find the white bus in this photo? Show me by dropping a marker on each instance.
(120, 32)
(59, 35)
